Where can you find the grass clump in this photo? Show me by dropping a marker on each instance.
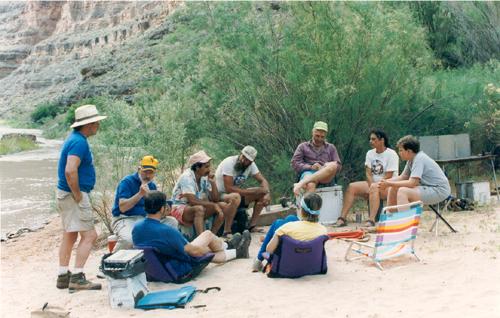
(16, 144)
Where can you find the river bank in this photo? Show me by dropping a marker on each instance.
(27, 183)
(456, 278)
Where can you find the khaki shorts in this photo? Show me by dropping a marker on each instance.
(75, 217)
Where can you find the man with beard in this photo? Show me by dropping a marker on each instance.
(315, 161)
(196, 197)
(232, 172)
(129, 202)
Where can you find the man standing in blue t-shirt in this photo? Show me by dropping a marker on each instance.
(129, 202)
(76, 176)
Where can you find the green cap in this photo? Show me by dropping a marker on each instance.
(321, 125)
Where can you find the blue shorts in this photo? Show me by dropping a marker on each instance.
(305, 173)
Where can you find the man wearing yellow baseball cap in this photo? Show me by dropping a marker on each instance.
(129, 201)
(316, 161)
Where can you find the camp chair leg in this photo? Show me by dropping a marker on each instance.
(435, 226)
(379, 266)
(357, 250)
(442, 219)
(418, 259)
(346, 257)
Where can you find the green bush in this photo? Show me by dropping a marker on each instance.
(245, 73)
(44, 111)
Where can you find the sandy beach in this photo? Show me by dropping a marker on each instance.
(458, 276)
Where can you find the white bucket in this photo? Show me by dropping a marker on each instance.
(332, 204)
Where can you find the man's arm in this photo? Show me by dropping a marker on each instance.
(369, 177)
(71, 174)
(125, 204)
(410, 183)
(298, 162)
(388, 174)
(334, 157)
(214, 193)
(231, 188)
(193, 200)
(273, 244)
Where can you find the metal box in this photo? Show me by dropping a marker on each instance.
(479, 192)
(124, 293)
(332, 204)
(446, 147)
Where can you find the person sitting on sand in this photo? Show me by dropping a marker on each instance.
(172, 244)
(422, 178)
(304, 229)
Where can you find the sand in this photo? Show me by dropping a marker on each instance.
(459, 276)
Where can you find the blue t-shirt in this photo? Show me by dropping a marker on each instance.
(169, 242)
(76, 145)
(127, 188)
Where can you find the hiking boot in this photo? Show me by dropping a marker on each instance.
(242, 249)
(234, 241)
(63, 280)
(79, 282)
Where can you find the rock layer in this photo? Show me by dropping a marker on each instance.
(43, 44)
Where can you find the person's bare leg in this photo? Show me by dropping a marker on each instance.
(355, 189)
(208, 242)
(219, 218)
(311, 187)
(232, 201)
(324, 175)
(196, 215)
(392, 197)
(87, 239)
(68, 240)
(260, 203)
(375, 195)
(407, 195)
(257, 209)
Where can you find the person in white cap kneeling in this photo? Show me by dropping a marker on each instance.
(76, 178)
(232, 173)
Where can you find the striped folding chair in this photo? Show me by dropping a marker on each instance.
(396, 234)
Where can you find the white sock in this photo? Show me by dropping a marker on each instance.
(78, 270)
(224, 246)
(63, 270)
(230, 254)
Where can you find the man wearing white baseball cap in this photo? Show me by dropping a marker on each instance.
(76, 175)
(233, 171)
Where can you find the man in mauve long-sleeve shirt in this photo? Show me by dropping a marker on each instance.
(315, 161)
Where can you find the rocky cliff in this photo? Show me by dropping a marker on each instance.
(46, 47)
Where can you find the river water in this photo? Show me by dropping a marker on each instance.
(27, 183)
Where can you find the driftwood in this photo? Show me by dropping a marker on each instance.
(19, 136)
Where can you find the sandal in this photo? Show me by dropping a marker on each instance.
(255, 229)
(342, 224)
(369, 223)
